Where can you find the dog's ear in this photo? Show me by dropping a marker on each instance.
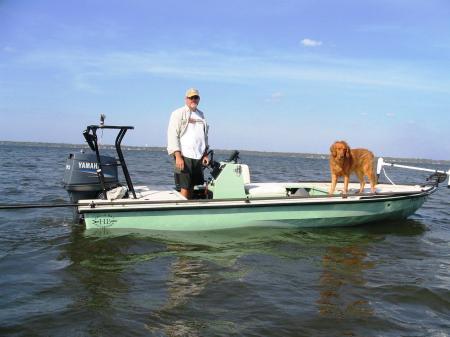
(348, 152)
(333, 150)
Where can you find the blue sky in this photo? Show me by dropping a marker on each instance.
(290, 76)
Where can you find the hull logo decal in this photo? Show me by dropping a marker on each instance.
(104, 221)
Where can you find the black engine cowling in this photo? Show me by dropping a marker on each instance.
(80, 177)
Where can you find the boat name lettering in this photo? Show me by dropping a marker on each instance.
(106, 221)
(87, 165)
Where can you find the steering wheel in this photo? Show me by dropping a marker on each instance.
(213, 165)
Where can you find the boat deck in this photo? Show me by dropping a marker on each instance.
(266, 193)
(156, 193)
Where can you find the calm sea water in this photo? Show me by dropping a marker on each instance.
(383, 279)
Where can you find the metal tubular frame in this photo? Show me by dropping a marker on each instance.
(94, 146)
(122, 160)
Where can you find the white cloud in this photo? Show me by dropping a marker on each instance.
(390, 114)
(311, 43)
(275, 97)
(83, 82)
(87, 67)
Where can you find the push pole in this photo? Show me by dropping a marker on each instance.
(382, 163)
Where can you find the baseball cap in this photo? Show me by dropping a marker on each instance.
(192, 92)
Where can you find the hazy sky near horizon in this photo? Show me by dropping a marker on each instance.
(289, 76)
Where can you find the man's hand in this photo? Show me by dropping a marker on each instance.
(179, 162)
(205, 160)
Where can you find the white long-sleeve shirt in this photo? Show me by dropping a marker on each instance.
(178, 123)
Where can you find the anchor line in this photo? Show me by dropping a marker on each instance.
(23, 206)
(385, 174)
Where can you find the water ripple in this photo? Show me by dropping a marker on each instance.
(383, 279)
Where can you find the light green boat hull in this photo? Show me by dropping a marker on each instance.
(294, 215)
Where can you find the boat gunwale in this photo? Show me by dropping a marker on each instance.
(94, 207)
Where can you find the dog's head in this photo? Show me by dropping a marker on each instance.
(340, 150)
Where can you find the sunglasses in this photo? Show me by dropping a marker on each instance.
(194, 97)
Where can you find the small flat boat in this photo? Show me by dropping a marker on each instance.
(229, 199)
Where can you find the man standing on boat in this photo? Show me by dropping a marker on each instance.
(187, 141)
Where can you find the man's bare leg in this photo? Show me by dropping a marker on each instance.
(185, 193)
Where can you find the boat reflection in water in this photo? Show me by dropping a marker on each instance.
(187, 280)
(343, 271)
(228, 282)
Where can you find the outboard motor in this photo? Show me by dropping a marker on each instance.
(81, 179)
(91, 175)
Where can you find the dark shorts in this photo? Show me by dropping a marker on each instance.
(191, 175)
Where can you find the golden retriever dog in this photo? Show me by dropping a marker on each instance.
(345, 161)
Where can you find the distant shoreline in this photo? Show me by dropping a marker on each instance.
(217, 151)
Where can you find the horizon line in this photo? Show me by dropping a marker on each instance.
(163, 148)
